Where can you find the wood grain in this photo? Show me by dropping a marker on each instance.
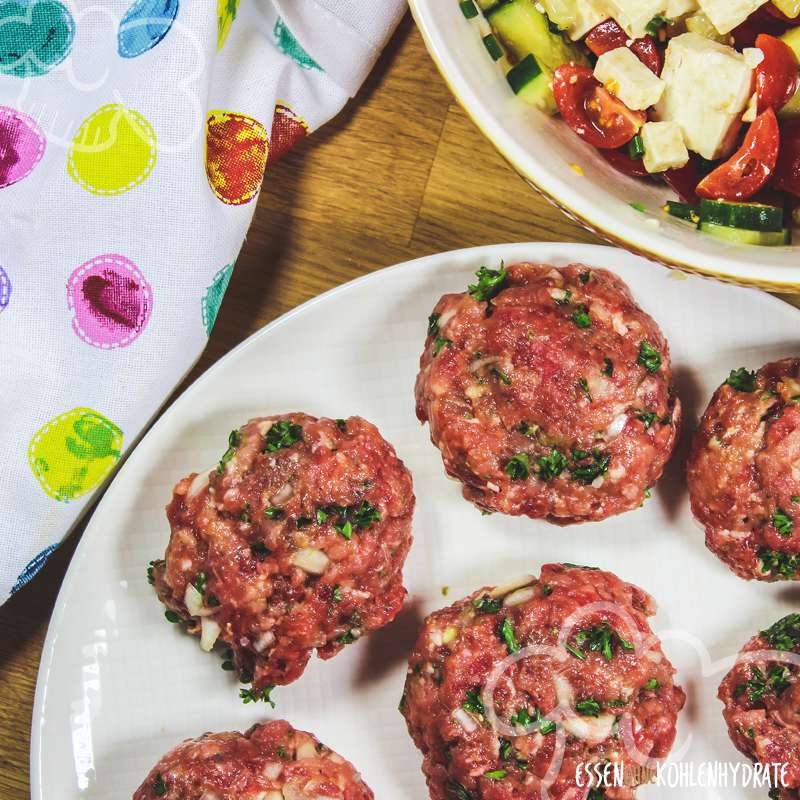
(400, 173)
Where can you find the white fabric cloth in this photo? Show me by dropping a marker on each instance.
(133, 140)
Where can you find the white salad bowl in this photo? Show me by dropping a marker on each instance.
(575, 177)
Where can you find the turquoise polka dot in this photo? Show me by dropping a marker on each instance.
(35, 36)
(212, 299)
(289, 46)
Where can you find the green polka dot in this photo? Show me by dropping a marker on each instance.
(212, 299)
(288, 45)
(74, 452)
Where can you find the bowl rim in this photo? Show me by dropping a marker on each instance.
(620, 234)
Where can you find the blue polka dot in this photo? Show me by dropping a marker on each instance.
(144, 25)
(34, 567)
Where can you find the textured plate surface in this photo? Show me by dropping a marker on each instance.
(119, 686)
(547, 153)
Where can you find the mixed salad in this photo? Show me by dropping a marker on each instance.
(701, 94)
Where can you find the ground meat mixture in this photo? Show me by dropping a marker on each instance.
(548, 393)
(269, 762)
(761, 695)
(744, 472)
(295, 542)
(522, 688)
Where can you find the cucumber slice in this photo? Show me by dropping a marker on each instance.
(539, 93)
(739, 236)
(493, 47)
(791, 8)
(486, 4)
(468, 9)
(524, 30)
(562, 13)
(520, 75)
(748, 216)
(683, 211)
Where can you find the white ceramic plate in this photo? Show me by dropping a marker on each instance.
(544, 151)
(119, 686)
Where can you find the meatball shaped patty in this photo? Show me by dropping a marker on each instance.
(295, 542)
(548, 393)
(270, 762)
(744, 472)
(761, 696)
(517, 691)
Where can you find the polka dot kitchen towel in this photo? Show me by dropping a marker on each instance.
(134, 135)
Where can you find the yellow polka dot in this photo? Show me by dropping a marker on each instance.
(113, 151)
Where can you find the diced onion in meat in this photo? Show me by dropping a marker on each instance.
(209, 633)
(263, 641)
(617, 426)
(507, 588)
(272, 769)
(446, 317)
(199, 483)
(478, 365)
(520, 596)
(193, 601)
(591, 729)
(311, 560)
(306, 749)
(564, 693)
(283, 494)
(464, 720)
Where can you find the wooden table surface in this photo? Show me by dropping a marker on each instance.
(390, 179)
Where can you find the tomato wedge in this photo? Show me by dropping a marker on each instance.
(609, 35)
(750, 167)
(592, 111)
(622, 162)
(776, 75)
(684, 180)
(787, 170)
(761, 21)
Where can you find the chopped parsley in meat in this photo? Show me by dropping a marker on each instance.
(528, 430)
(495, 774)
(742, 379)
(199, 582)
(488, 605)
(564, 300)
(588, 707)
(490, 283)
(782, 523)
(519, 467)
(433, 324)
(257, 695)
(458, 791)
(273, 513)
(551, 465)
(775, 681)
(649, 357)
(282, 434)
(524, 719)
(646, 417)
(172, 616)
(159, 785)
(473, 703)
(583, 385)
(651, 685)
(601, 639)
(785, 633)
(440, 342)
(608, 367)
(508, 635)
(501, 376)
(581, 317)
(259, 550)
(234, 440)
(773, 562)
(589, 466)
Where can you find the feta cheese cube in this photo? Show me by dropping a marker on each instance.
(708, 87)
(621, 72)
(680, 8)
(664, 147)
(634, 15)
(588, 14)
(727, 14)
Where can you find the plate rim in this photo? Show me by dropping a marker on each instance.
(726, 270)
(510, 250)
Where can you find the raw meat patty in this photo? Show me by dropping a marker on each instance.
(542, 674)
(294, 543)
(269, 762)
(744, 472)
(548, 393)
(761, 695)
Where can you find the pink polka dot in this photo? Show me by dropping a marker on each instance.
(110, 301)
(22, 145)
